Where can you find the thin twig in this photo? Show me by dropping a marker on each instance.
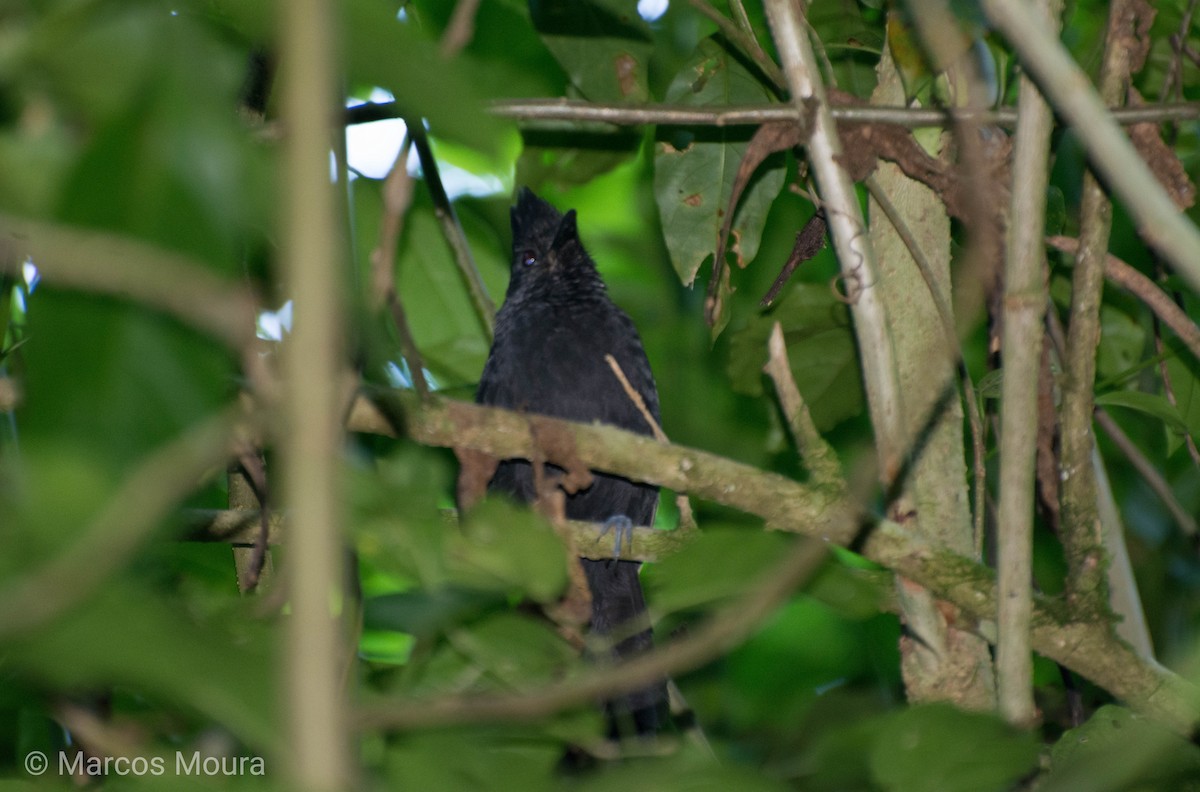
(123, 267)
(448, 219)
(1164, 372)
(687, 519)
(817, 455)
(848, 231)
(636, 398)
(576, 112)
(1080, 532)
(397, 198)
(239, 527)
(1147, 471)
(460, 30)
(1173, 76)
(1158, 301)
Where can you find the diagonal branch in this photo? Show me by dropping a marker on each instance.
(1161, 224)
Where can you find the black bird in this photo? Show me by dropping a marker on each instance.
(552, 333)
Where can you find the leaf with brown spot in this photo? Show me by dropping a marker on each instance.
(695, 168)
(607, 63)
(628, 73)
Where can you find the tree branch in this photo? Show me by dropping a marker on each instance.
(1025, 284)
(123, 267)
(1091, 649)
(1160, 222)
(240, 528)
(311, 439)
(573, 113)
(1121, 274)
(850, 241)
(1081, 530)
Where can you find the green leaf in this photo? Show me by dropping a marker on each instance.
(394, 514)
(1119, 750)
(1185, 384)
(821, 351)
(472, 759)
(133, 637)
(856, 593)
(694, 170)
(1122, 340)
(690, 770)
(165, 156)
(504, 547)
(425, 613)
(446, 327)
(603, 45)
(719, 564)
(1149, 403)
(113, 378)
(381, 50)
(518, 651)
(912, 754)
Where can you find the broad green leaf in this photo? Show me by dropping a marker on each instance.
(510, 57)
(694, 170)
(133, 637)
(835, 759)
(561, 162)
(1122, 341)
(690, 770)
(402, 58)
(445, 325)
(719, 564)
(113, 378)
(503, 547)
(385, 646)
(912, 752)
(474, 758)
(429, 611)
(821, 350)
(778, 677)
(603, 45)
(394, 514)
(1185, 384)
(165, 155)
(1148, 403)
(1119, 750)
(517, 650)
(856, 593)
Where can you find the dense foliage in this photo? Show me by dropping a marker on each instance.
(148, 192)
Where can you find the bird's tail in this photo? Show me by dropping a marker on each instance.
(618, 607)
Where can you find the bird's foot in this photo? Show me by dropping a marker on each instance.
(622, 529)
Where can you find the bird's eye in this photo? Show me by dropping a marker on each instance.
(527, 257)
